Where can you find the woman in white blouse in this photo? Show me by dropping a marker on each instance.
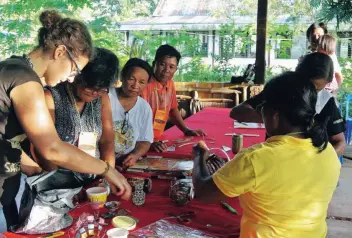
(131, 114)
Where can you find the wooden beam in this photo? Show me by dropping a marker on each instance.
(261, 42)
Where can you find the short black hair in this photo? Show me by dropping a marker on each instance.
(101, 72)
(296, 100)
(166, 50)
(133, 63)
(316, 66)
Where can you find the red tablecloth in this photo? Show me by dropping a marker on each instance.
(158, 205)
(210, 218)
(216, 122)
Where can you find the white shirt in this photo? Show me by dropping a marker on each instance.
(322, 99)
(132, 126)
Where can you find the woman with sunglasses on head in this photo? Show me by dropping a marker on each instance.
(64, 48)
(286, 183)
(131, 114)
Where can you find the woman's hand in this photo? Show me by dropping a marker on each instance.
(130, 160)
(117, 179)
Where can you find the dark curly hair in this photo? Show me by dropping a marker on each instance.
(72, 33)
(101, 72)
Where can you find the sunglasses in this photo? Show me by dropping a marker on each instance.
(124, 127)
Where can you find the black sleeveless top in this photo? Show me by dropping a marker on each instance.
(69, 123)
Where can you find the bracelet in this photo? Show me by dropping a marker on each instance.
(106, 169)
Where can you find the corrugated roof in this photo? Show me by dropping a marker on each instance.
(188, 7)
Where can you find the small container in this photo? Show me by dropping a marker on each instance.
(97, 196)
(237, 143)
(91, 229)
(83, 233)
(117, 233)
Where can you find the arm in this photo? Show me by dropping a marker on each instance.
(141, 149)
(338, 142)
(206, 189)
(339, 78)
(106, 143)
(32, 112)
(245, 113)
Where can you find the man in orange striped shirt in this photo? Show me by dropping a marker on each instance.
(160, 93)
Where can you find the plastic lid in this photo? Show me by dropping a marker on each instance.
(124, 222)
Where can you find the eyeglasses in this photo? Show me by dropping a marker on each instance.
(76, 71)
(124, 126)
(99, 91)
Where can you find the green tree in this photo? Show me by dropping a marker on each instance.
(328, 10)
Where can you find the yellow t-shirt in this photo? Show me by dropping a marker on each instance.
(284, 186)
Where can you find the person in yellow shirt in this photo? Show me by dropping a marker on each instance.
(286, 183)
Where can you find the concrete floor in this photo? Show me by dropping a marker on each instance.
(341, 205)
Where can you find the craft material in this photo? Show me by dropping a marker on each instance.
(102, 222)
(181, 191)
(108, 215)
(248, 125)
(124, 222)
(184, 140)
(97, 196)
(117, 233)
(83, 233)
(237, 143)
(123, 212)
(91, 229)
(185, 144)
(229, 208)
(225, 148)
(247, 135)
(214, 163)
(171, 148)
(183, 218)
(112, 205)
(56, 234)
(165, 229)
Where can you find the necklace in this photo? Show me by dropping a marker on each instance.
(28, 60)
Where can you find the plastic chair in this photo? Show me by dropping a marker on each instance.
(348, 118)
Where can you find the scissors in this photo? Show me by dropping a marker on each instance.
(183, 217)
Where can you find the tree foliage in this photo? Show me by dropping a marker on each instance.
(328, 10)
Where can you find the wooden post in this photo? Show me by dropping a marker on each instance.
(261, 42)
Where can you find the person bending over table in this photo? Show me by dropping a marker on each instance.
(64, 48)
(82, 109)
(131, 114)
(160, 93)
(279, 182)
(318, 68)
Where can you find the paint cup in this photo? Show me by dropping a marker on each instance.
(117, 233)
(97, 196)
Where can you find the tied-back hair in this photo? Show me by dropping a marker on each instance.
(72, 33)
(135, 63)
(327, 43)
(295, 100)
